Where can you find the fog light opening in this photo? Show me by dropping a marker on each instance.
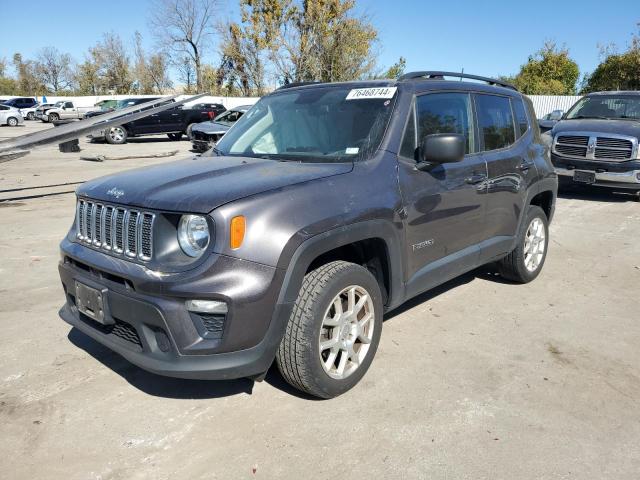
(207, 306)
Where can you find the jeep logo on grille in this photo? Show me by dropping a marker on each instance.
(114, 192)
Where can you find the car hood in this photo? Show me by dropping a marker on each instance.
(211, 127)
(619, 127)
(201, 184)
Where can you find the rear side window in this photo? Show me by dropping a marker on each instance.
(521, 116)
(445, 113)
(495, 121)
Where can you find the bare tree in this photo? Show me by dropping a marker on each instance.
(186, 28)
(54, 69)
(187, 74)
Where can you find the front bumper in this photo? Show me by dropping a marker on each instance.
(607, 174)
(153, 328)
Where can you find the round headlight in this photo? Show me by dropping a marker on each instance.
(193, 235)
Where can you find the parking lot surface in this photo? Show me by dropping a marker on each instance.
(479, 379)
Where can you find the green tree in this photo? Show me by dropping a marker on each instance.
(297, 41)
(550, 71)
(397, 69)
(617, 71)
(27, 82)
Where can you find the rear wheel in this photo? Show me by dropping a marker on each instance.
(116, 136)
(12, 121)
(334, 330)
(174, 136)
(525, 262)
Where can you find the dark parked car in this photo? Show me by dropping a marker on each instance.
(21, 102)
(324, 207)
(204, 135)
(175, 122)
(596, 142)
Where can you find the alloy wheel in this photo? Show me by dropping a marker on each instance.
(346, 332)
(534, 245)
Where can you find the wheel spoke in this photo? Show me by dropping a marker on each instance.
(331, 359)
(361, 303)
(342, 363)
(353, 355)
(328, 344)
(351, 300)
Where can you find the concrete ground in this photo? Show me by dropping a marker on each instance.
(479, 379)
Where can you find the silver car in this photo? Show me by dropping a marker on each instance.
(10, 116)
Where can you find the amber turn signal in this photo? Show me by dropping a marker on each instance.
(238, 226)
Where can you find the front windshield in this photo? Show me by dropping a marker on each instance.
(326, 124)
(607, 107)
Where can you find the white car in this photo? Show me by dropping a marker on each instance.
(29, 113)
(10, 116)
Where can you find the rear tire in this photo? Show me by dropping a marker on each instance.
(174, 136)
(12, 122)
(334, 330)
(116, 135)
(525, 262)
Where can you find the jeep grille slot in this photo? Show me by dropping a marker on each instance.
(116, 229)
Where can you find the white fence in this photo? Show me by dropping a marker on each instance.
(544, 104)
(88, 101)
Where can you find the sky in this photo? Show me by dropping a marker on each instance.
(485, 38)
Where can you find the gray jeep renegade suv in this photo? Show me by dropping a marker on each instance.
(324, 207)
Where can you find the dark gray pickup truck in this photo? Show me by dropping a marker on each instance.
(323, 208)
(596, 142)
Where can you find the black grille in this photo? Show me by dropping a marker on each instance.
(132, 234)
(126, 332)
(116, 229)
(605, 153)
(614, 143)
(573, 140)
(213, 323)
(571, 150)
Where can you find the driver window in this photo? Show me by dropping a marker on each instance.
(445, 113)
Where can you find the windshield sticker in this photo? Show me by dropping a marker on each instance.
(351, 150)
(368, 93)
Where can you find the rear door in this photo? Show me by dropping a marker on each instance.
(444, 206)
(504, 128)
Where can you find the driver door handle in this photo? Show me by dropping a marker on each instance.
(475, 178)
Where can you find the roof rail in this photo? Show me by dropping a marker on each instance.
(434, 75)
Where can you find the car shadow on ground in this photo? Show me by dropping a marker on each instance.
(595, 194)
(158, 385)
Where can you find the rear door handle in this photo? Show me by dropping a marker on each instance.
(475, 178)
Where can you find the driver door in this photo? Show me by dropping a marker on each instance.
(445, 205)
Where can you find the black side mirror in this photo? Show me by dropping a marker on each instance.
(441, 148)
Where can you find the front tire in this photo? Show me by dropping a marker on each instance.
(525, 262)
(334, 330)
(54, 117)
(116, 136)
(12, 122)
